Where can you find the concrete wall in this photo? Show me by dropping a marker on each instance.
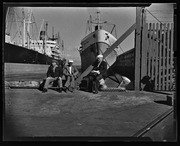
(20, 68)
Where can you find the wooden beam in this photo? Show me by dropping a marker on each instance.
(150, 50)
(137, 49)
(168, 58)
(120, 40)
(160, 59)
(157, 57)
(153, 53)
(144, 47)
(164, 58)
(171, 55)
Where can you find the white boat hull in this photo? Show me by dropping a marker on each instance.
(96, 43)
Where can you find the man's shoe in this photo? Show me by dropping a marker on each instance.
(95, 91)
(71, 89)
(60, 90)
(44, 90)
(122, 88)
(65, 89)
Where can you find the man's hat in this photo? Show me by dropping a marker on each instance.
(70, 60)
(54, 61)
(100, 56)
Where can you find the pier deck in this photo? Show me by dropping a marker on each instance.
(31, 113)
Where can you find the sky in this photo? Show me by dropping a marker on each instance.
(71, 23)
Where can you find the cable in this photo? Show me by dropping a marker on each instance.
(155, 18)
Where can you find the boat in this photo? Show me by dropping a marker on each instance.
(97, 42)
(26, 47)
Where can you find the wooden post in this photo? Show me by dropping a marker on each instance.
(149, 49)
(138, 49)
(153, 53)
(164, 57)
(144, 47)
(157, 57)
(168, 62)
(160, 56)
(171, 55)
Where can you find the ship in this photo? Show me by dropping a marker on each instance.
(23, 45)
(99, 41)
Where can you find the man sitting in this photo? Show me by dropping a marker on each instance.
(98, 73)
(70, 72)
(54, 73)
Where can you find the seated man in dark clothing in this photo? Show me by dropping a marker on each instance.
(99, 72)
(54, 73)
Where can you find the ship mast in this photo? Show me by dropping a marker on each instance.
(46, 28)
(24, 28)
(98, 19)
(28, 27)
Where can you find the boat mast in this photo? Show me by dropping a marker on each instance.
(53, 33)
(45, 40)
(98, 21)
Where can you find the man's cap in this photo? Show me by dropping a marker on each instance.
(54, 61)
(70, 60)
(100, 56)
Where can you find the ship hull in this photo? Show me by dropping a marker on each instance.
(125, 64)
(18, 54)
(96, 43)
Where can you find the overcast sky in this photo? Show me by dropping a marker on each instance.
(70, 22)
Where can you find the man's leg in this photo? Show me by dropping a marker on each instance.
(101, 81)
(91, 87)
(60, 84)
(72, 82)
(67, 82)
(95, 86)
(96, 83)
(48, 80)
(124, 83)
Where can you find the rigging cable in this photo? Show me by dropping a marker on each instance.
(155, 18)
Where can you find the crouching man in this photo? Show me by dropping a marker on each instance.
(54, 73)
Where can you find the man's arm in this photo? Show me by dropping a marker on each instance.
(76, 71)
(60, 71)
(49, 72)
(65, 72)
(103, 68)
